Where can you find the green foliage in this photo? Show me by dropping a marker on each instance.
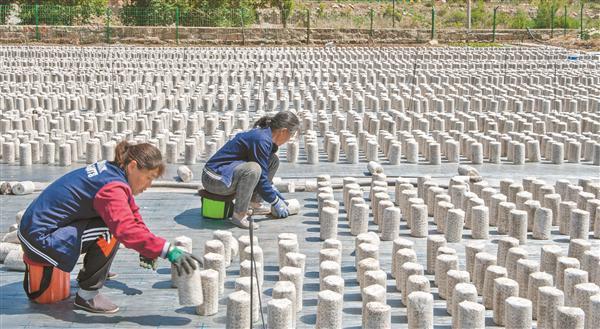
(545, 10)
(420, 19)
(286, 9)
(456, 18)
(4, 12)
(148, 13)
(360, 21)
(480, 17)
(60, 14)
(388, 11)
(559, 19)
(450, 14)
(520, 20)
(321, 10)
(301, 7)
(189, 13)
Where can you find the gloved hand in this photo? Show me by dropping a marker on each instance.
(184, 262)
(281, 208)
(149, 263)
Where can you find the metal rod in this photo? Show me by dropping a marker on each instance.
(494, 26)
(242, 25)
(552, 21)
(393, 13)
(432, 23)
(581, 21)
(371, 23)
(177, 24)
(251, 268)
(469, 15)
(37, 25)
(254, 274)
(307, 26)
(565, 22)
(107, 25)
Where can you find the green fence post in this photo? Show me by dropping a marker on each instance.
(177, 25)
(307, 26)
(581, 21)
(242, 25)
(393, 13)
(37, 22)
(494, 26)
(371, 23)
(107, 25)
(432, 23)
(552, 22)
(565, 21)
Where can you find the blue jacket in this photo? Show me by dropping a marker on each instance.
(254, 145)
(54, 226)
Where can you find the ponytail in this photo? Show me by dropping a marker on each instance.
(283, 119)
(145, 155)
(121, 153)
(263, 122)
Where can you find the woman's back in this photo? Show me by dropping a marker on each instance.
(70, 197)
(254, 145)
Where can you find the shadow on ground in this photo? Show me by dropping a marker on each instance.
(64, 311)
(192, 218)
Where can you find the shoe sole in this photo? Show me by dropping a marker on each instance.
(255, 226)
(112, 277)
(89, 309)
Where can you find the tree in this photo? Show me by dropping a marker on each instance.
(286, 7)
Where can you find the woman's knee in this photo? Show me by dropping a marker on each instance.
(250, 171)
(253, 169)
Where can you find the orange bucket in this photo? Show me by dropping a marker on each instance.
(44, 283)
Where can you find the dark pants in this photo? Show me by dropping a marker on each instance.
(99, 248)
(244, 183)
(99, 254)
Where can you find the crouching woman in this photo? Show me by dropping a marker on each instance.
(90, 211)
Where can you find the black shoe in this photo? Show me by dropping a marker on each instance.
(98, 304)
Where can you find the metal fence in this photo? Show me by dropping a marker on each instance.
(371, 15)
(125, 16)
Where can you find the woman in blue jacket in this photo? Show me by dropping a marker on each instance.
(246, 165)
(91, 211)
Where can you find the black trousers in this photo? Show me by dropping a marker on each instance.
(100, 248)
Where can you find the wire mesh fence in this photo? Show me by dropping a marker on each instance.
(364, 15)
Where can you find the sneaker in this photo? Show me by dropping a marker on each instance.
(242, 223)
(111, 276)
(98, 304)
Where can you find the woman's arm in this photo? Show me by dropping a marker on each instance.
(115, 205)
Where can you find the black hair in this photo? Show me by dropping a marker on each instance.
(146, 155)
(283, 119)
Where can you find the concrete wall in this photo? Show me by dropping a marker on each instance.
(252, 36)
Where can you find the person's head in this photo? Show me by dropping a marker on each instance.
(284, 126)
(142, 164)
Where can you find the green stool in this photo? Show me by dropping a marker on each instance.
(216, 206)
